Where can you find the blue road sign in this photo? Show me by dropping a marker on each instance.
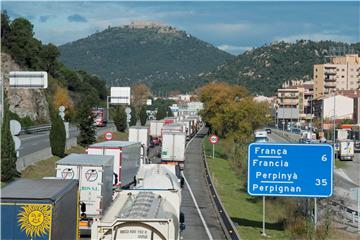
(290, 170)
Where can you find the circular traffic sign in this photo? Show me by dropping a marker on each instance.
(213, 139)
(15, 127)
(108, 136)
(128, 110)
(67, 173)
(61, 108)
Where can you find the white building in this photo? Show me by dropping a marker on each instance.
(344, 107)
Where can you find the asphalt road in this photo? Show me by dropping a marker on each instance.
(195, 175)
(37, 141)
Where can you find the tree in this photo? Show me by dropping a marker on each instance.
(49, 54)
(143, 116)
(5, 28)
(57, 135)
(133, 119)
(161, 113)
(22, 45)
(120, 119)
(86, 126)
(139, 94)
(8, 154)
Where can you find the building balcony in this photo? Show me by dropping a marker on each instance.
(330, 79)
(330, 73)
(330, 85)
(330, 67)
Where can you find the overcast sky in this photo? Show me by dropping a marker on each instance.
(231, 26)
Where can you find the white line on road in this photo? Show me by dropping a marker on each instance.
(193, 197)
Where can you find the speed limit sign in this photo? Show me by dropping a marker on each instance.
(213, 139)
(108, 136)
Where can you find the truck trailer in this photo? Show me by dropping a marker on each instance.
(95, 175)
(155, 130)
(346, 149)
(40, 209)
(173, 147)
(127, 159)
(140, 134)
(139, 215)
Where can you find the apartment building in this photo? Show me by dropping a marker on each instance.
(342, 73)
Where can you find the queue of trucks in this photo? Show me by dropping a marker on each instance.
(111, 192)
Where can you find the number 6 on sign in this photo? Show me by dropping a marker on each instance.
(324, 158)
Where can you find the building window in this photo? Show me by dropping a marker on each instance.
(343, 70)
(342, 76)
(351, 82)
(315, 69)
(315, 76)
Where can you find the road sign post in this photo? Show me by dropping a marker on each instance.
(290, 170)
(213, 139)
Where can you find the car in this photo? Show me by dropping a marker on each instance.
(268, 131)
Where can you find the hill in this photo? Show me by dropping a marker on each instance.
(161, 56)
(262, 70)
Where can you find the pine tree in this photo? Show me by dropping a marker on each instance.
(57, 135)
(120, 119)
(133, 119)
(8, 153)
(86, 126)
(143, 116)
(161, 113)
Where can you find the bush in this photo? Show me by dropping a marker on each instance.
(143, 116)
(86, 126)
(120, 119)
(8, 153)
(57, 135)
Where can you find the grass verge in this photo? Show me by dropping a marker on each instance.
(117, 136)
(244, 210)
(46, 168)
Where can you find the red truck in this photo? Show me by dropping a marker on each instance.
(100, 117)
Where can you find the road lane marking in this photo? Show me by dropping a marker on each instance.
(192, 194)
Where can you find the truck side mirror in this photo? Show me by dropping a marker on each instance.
(182, 182)
(182, 221)
(116, 178)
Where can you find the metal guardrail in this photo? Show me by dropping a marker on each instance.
(225, 220)
(39, 128)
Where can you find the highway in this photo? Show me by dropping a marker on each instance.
(37, 141)
(206, 225)
(31, 143)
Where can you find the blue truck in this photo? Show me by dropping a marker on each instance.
(40, 209)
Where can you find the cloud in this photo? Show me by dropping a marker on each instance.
(325, 35)
(76, 18)
(44, 18)
(234, 49)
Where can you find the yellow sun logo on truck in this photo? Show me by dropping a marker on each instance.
(35, 219)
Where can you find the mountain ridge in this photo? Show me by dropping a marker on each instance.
(153, 54)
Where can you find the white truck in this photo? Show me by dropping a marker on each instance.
(127, 159)
(188, 127)
(151, 210)
(155, 129)
(174, 127)
(260, 136)
(346, 151)
(173, 148)
(138, 215)
(140, 134)
(95, 174)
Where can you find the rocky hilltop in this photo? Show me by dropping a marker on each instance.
(161, 56)
(30, 103)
